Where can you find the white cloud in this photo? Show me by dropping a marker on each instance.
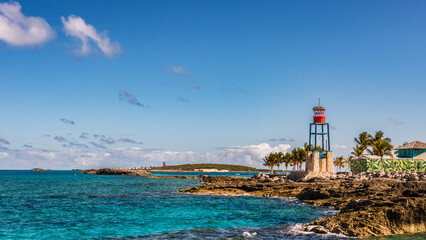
(181, 70)
(177, 69)
(76, 27)
(250, 155)
(18, 30)
(337, 146)
(132, 157)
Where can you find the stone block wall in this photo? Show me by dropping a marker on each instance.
(316, 164)
(330, 162)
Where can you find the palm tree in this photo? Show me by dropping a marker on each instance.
(287, 160)
(381, 147)
(358, 150)
(278, 159)
(340, 162)
(378, 136)
(363, 141)
(267, 161)
(308, 148)
(350, 158)
(299, 156)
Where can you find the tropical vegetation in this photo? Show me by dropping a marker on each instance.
(341, 162)
(376, 145)
(272, 160)
(295, 158)
(192, 167)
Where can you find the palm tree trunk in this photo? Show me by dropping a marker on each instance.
(381, 160)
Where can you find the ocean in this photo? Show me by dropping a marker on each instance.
(70, 205)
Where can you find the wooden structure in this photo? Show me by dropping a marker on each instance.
(412, 150)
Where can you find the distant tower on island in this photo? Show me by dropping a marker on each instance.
(319, 158)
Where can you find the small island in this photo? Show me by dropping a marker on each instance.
(37, 169)
(117, 171)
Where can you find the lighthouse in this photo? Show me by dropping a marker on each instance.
(319, 157)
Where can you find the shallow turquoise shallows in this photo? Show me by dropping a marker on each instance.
(70, 205)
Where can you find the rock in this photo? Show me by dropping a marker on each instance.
(311, 194)
(368, 208)
(37, 169)
(319, 229)
(413, 177)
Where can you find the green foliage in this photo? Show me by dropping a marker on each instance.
(362, 143)
(421, 165)
(340, 162)
(192, 167)
(308, 148)
(379, 145)
(358, 150)
(373, 165)
(298, 156)
(389, 165)
(287, 160)
(274, 159)
(294, 159)
(410, 165)
(359, 165)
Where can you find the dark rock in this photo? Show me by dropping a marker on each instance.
(311, 194)
(376, 207)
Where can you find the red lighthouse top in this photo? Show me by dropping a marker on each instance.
(319, 114)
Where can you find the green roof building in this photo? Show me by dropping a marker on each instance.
(416, 150)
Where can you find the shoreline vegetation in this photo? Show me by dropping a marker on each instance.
(207, 167)
(370, 204)
(199, 167)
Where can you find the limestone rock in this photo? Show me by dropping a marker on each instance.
(383, 205)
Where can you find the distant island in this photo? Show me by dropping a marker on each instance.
(117, 171)
(37, 169)
(204, 167)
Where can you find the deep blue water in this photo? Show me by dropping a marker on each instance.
(70, 205)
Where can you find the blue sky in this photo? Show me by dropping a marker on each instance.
(203, 81)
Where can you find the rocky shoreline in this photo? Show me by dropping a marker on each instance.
(370, 204)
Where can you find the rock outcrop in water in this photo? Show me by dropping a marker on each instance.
(368, 207)
(37, 169)
(117, 171)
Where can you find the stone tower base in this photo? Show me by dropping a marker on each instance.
(316, 164)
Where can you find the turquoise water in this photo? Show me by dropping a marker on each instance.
(70, 205)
